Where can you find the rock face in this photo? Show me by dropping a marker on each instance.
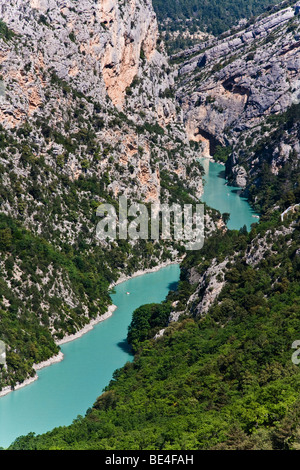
(86, 109)
(101, 57)
(129, 36)
(239, 175)
(236, 82)
(87, 114)
(96, 45)
(209, 285)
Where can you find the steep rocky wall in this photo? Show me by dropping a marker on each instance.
(75, 65)
(234, 83)
(130, 34)
(98, 47)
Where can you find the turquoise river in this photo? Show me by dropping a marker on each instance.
(219, 195)
(67, 389)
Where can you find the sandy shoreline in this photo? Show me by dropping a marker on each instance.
(141, 272)
(88, 327)
(59, 357)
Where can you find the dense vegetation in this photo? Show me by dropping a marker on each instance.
(5, 32)
(222, 381)
(210, 16)
(267, 188)
(146, 323)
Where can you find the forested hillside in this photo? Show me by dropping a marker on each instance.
(225, 380)
(212, 364)
(209, 16)
(222, 377)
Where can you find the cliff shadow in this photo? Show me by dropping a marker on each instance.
(173, 286)
(125, 346)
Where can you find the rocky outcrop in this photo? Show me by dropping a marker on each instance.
(210, 276)
(236, 82)
(209, 285)
(239, 176)
(130, 35)
(72, 65)
(99, 48)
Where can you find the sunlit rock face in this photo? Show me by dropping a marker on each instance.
(130, 34)
(231, 88)
(239, 80)
(73, 66)
(101, 47)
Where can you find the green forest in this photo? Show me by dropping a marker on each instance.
(223, 381)
(210, 16)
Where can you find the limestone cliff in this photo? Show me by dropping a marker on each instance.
(130, 35)
(98, 46)
(87, 113)
(76, 65)
(231, 84)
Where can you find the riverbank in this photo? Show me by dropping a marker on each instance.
(87, 327)
(53, 360)
(68, 389)
(141, 272)
(59, 357)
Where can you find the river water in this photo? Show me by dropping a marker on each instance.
(219, 195)
(67, 389)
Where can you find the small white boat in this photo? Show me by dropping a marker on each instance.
(127, 293)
